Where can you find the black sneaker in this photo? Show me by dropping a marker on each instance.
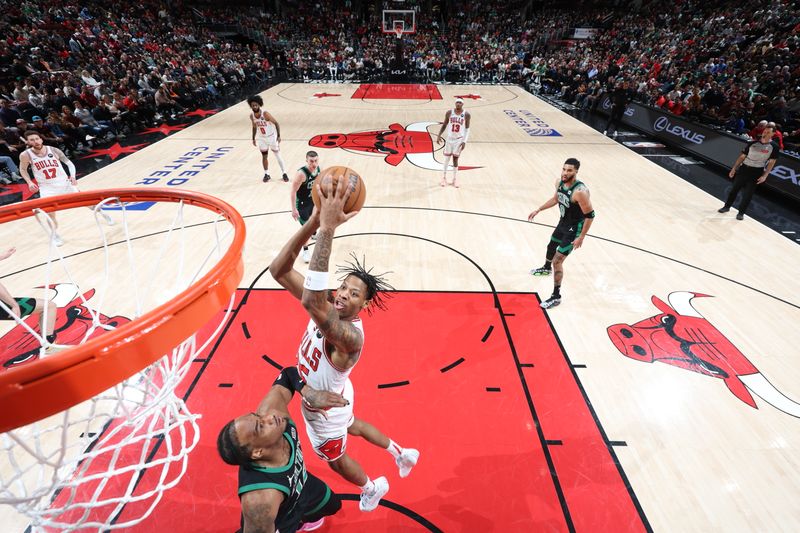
(723, 209)
(285, 177)
(266, 178)
(541, 271)
(740, 216)
(550, 302)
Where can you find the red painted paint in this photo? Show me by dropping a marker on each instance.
(483, 466)
(397, 91)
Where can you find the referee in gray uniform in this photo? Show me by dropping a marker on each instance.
(752, 168)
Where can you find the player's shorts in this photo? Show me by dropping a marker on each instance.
(453, 147)
(327, 430)
(47, 190)
(564, 235)
(304, 209)
(268, 143)
(26, 307)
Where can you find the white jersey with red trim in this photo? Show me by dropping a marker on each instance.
(455, 125)
(316, 368)
(47, 169)
(264, 128)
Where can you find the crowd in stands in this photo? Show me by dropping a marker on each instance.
(83, 71)
(80, 70)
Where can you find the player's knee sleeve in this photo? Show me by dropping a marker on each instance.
(551, 250)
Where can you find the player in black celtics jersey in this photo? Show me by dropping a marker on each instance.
(300, 195)
(572, 198)
(275, 490)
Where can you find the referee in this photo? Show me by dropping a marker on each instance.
(752, 168)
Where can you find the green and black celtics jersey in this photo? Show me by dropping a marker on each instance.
(304, 192)
(289, 479)
(571, 212)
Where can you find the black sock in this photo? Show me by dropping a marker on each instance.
(305, 248)
(548, 265)
(556, 291)
(51, 338)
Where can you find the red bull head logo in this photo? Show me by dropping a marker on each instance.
(680, 336)
(73, 321)
(412, 143)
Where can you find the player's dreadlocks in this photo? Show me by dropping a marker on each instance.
(377, 286)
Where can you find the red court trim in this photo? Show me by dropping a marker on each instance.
(397, 91)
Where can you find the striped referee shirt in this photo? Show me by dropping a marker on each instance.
(758, 153)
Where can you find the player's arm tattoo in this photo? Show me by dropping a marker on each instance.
(342, 334)
(260, 512)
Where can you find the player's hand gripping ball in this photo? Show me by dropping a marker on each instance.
(358, 191)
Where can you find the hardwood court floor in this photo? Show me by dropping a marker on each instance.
(696, 453)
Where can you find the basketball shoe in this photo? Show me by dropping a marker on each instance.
(550, 302)
(406, 461)
(371, 497)
(311, 526)
(541, 271)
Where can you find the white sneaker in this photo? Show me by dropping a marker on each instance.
(306, 255)
(107, 218)
(58, 240)
(408, 458)
(372, 497)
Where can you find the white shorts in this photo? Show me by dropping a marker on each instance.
(46, 190)
(327, 430)
(268, 143)
(453, 147)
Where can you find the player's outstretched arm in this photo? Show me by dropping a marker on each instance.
(342, 334)
(286, 384)
(547, 205)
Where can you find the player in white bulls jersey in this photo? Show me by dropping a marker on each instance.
(48, 166)
(456, 121)
(332, 344)
(266, 135)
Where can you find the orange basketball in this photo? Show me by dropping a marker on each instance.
(358, 191)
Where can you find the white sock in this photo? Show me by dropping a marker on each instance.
(455, 172)
(280, 162)
(446, 163)
(367, 486)
(394, 449)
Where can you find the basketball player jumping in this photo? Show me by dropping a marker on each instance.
(300, 195)
(266, 135)
(456, 121)
(47, 164)
(332, 344)
(572, 198)
(275, 489)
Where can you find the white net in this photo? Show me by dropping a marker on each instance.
(105, 463)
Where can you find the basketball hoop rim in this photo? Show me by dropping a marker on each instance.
(47, 386)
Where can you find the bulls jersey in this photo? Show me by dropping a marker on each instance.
(47, 169)
(455, 125)
(315, 365)
(264, 128)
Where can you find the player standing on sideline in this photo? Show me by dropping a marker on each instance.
(275, 489)
(300, 195)
(266, 135)
(333, 342)
(24, 306)
(47, 164)
(577, 215)
(457, 123)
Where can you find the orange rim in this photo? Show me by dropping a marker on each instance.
(48, 386)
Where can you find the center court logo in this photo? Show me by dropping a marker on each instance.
(663, 124)
(531, 124)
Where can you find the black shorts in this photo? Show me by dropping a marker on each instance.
(564, 235)
(305, 209)
(26, 307)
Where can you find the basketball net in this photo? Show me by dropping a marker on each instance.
(105, 463)
(398, 30)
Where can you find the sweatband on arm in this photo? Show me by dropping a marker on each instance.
(316, 281)
(290, 379)
(70, 167)
(466, 135)
(590, 214)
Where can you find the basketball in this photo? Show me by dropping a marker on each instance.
(358, 191)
